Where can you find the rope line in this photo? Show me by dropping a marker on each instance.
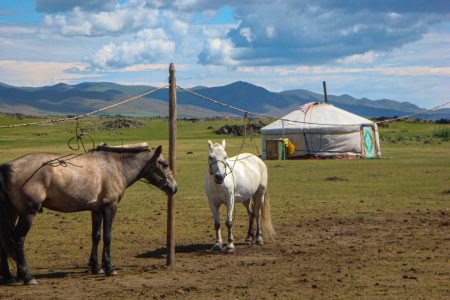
(302, 122)
(415, 114)
(86, 114)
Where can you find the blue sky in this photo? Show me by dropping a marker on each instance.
(376, 49)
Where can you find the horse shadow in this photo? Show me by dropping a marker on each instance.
(77, 271)
(162, 252)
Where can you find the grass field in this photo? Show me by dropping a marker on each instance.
(346, 228)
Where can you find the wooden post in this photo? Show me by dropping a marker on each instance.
(172, 161)
(325, 91)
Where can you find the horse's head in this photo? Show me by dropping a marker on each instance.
(159, 173)
(217, 160)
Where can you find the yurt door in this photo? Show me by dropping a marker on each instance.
(368, 142)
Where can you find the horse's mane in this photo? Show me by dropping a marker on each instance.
(5, 171)
(140, 147)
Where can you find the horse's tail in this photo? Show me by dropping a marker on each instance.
(7, 213)
(266, 221)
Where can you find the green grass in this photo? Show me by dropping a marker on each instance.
(402, 131)
(58, 134)
(392, 183)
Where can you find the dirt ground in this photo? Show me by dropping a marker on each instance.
(320, 258)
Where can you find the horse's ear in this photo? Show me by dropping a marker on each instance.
(223, 144)
(210, 145)
(157, 153)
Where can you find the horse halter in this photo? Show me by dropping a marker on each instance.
(225, 163)
(166, 174)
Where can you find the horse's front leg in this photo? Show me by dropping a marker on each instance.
(96, 217)
(108, 217)
(215, 211)
(229, 223)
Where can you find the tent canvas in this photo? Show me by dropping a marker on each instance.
(321, 130)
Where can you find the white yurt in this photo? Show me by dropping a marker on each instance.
(321, 130)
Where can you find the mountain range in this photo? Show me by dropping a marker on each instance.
(84, 97)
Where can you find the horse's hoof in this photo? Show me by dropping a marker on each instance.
(217, 248)
(248, 241)
(8, 281)
(112, 273)
(31, 282)
(259, 241)
(230, 248)
(99, 271)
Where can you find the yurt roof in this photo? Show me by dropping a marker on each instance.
(317, 116)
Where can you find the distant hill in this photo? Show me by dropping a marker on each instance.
(84, 97)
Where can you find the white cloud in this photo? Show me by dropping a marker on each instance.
(37, 73)
(217, 52)
(367, 57)
(247, 34)
(148, 46)
(270, 31)
(129, 17)
(326, 31)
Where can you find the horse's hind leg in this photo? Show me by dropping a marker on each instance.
(259, 200)
(108, 218)
(97, 218)
(250, 209)
(20, 232)
(7, 278)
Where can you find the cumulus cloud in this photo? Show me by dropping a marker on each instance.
(148, 46)
(129, 17)
(217, 52)
(302, 32)
(263, 33)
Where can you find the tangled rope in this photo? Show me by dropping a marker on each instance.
(78, 138)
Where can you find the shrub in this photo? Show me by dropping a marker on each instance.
(443, 133)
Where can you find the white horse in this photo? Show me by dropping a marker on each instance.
(242, 178)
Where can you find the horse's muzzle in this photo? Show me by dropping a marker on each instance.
(218, 179)
(170, 189)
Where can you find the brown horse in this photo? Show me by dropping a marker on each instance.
(93, 181)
